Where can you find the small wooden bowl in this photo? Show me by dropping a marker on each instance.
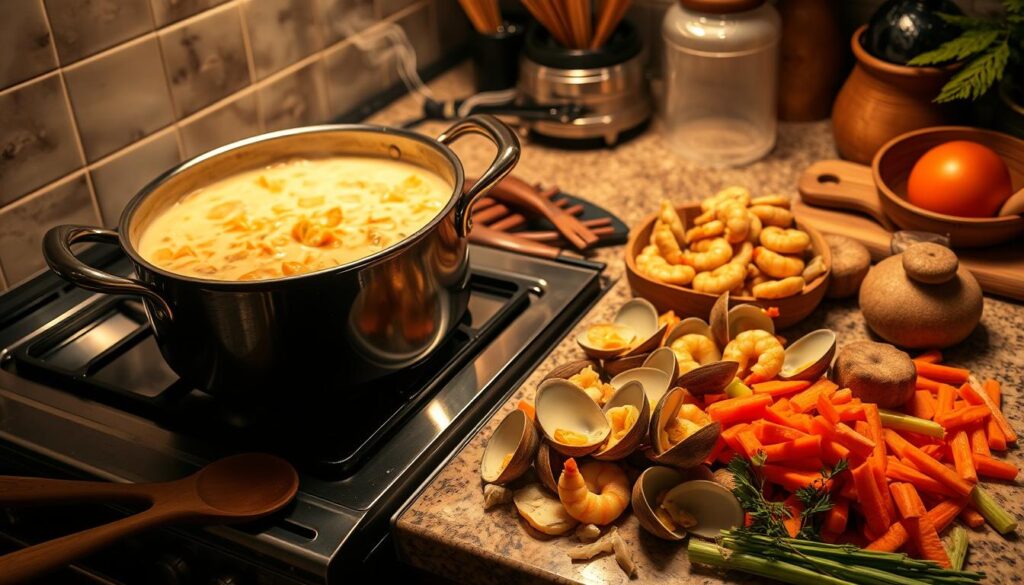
(687, 302)
(894, 161)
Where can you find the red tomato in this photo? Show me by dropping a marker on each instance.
(960, 178)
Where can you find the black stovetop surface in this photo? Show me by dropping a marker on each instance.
(84, 392)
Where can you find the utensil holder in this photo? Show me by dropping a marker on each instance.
(496, 57)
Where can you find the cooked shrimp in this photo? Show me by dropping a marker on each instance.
(650, 263)
(754, 233)
(693, 350)
(721, 279)
(711, 229)
(776, 265)
(777, 289)
(665, 240)
(602, 507)
(734, 193)
(814, 269)
(718, 253)
(785, 241)
(773, 200)
(753, 271)
(705, 217)
(742, 253)
(772, 215)
(762, 348)
(736, 219)
(670, 217)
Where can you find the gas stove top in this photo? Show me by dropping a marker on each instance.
(85, 393)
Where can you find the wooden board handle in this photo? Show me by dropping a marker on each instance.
(838, 184)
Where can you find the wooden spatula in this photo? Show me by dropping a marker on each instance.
(233, 489)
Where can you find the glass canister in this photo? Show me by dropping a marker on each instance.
(721, 79)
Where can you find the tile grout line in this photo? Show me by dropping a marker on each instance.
(250, 62)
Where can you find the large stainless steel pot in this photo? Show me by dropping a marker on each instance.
(316, 332)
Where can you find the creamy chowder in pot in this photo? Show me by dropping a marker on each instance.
(295, 217)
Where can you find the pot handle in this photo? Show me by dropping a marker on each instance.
(508, 155)
(62, 260)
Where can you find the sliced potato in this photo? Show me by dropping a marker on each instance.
(542, 510)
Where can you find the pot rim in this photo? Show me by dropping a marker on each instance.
(873, 63)
(129, 211)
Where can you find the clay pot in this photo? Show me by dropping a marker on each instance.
(921, 298)
(882, 100)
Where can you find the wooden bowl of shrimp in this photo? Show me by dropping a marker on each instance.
(686, 301)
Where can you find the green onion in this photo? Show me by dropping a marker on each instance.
(1000, 519)
(737, 389)
(904, 422)
(706, 553)
(956, 547)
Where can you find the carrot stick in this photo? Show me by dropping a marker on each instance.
(801, 422)
(934, 450)
(832, 452)
(908, 502)
(972, 517)
(926, 463)
(789, 479)
(742, 409)
(921, 405)
(961, 417)
(769, 433)
(919, 527)
(932, 356)
(837, 517)
(875, 512)
(979, 441)
(731, 436)
(842, 396)
(994, 468)
(710, 399)
(960, 448)
(827, 409)
(853, 410)
(894, 469)
(896, 536)
(528, 409)
(875, 432)
(940, 373)
(945, 399)
(806, 447)
(996, 438)
(792, 523)
(923, 383)
(807, 399)
(878, 470)
(984, 397)
(749, 445)
(776, 388)
(857, 443)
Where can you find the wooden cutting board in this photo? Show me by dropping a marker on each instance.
(999, 270)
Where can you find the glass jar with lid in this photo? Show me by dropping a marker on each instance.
(721, 79)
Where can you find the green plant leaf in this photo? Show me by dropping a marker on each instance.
(969, 22)
(1014, 6)
(977, 77)
(970, 43)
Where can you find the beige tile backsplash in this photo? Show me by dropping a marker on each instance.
(98, 97)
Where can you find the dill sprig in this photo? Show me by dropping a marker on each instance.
(817, 499)
(766, 517)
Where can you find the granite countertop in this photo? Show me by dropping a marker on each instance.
(446, 530)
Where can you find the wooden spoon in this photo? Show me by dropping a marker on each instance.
(518, 193)
(233, 489)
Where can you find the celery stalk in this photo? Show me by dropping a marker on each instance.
(737, 389)
(1000, 519)
(707, 553)
(956, 547)
(904, 422)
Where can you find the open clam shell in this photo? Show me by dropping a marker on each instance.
(626, 334)
(712, 505)
(746, 317)
(510, 449)
(718, 320)
(548, 466)
(642, 317)
(651, 483)
(570, 369)
(686, 326)
(654, 381)
(561, 410)
(663, 359)
(689, 452)
(616, 366)
(709, 379)
(632, 394)
(810, 356)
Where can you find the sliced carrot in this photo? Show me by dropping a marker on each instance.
(789, 479)
(769, 432)
(725, 456)
(837, 516)
(940, 373)
(851, 411)
(801, 422)
(896, 536)
(896, 470)
(780, 387)
(713, 455)
(926, 464)
(944, 400)
(827, 409)
(963, 459)
(919, 527)
(749, 445)
(730, 436)
(806, 447)
(996, 438)
(878, 470)
(979, 441)
(972, 517)
(809, 464)
(832, 451)
(795, 507)
(984, 396)
(874, 421)
(857, 443)
(936, 450)
(842, 396)
(741, 409)
(876, 514)
(994, 468)
(528, 409)
(783, 405)
(710, 399)
(908, 502)
(962, 417)
(932, 356)
(923, 383)
(921, 405)
(808, 399)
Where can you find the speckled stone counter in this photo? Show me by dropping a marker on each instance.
(446, 530)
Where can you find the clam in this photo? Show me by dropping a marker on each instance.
(573, 423)
(548, 466)
(708, 379)
(663, 359)
(746, 317)
(686, 326)
(570, 369)
(705, 507)
(718, 319)
(626, 434)
(810, 356)
(674, 415)
(614, 367)
(654, 381)
(634, 331)
(510, 449)
(653, 482)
